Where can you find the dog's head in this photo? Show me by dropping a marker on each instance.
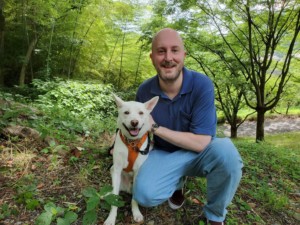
(133, 118)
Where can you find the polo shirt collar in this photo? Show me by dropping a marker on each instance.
(187, 85)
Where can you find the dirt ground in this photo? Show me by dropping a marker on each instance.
(59, 181)
(275, 125)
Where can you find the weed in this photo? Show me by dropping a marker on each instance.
(52, 212)
(6, 211)
(93, 200)
(26, 195)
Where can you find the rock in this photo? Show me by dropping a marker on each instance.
(20, 131)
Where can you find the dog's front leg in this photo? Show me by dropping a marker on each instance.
(137, 215)
(116, 182)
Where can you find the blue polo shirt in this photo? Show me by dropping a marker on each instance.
(192, 110)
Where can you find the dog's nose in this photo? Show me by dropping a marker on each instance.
(134, 123)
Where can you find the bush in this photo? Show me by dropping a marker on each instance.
(78, 98)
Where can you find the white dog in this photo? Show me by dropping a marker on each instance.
(130, 150)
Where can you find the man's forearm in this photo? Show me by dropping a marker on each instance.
(185, 140)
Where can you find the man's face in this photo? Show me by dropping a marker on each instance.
(168, 55)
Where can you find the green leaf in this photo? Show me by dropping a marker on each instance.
(32, 204)
(90, 218)
(71, 216)
(45, 150)
(62, 221)
(60, 210)
(89, 192)
(105, 190)
(49, 207)
(44, 219)
(92, 203)
(114, 200)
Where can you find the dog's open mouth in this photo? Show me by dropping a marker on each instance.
(133, 131)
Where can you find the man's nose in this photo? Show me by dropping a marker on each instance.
(168, 56)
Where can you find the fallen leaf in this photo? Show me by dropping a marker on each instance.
(40, 185)
(33, 167)
(196, 201)
(75, 152)
(252, 205)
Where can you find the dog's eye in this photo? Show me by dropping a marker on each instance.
(126, 112)
(141, 113)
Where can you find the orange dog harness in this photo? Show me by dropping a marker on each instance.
(134, 149)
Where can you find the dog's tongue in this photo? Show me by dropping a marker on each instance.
(134, 132)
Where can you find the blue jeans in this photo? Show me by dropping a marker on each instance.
(162, 173)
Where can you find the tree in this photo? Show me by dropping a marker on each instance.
(229, 89)
(260, 36)
(207, 51)
(2, 25)
(71, 39)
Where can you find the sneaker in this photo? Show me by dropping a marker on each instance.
(177, 200)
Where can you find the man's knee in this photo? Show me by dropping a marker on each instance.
(227, 155)
(144, 195)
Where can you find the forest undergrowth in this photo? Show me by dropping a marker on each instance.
(55, 169)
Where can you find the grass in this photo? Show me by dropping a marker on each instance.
(35, 174)
(271, 178)
(293, 111)
(286, 141)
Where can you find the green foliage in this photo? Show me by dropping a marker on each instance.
(26, 195)
(270, 174)
(75, 40)
(6, 211)
(53, 148)
(71, 108)
(93, 200)
(79, 98)
(53, 212)
(270, 178)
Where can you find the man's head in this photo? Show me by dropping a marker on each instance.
(168, 54)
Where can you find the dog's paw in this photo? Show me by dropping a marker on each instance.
(138, 217)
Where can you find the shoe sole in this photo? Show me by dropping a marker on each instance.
(173, 206)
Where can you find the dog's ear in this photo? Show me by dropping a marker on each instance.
(151, 103)
(118, 100)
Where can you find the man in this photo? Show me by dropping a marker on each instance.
(184, 128)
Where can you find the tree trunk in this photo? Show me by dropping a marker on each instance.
(121, 63)
(138, 67)
(287, 108)
(26, 60)
(106, 78)
(233, 131)
(260, 126)
(2, 24)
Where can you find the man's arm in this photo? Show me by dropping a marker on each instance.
(185, 140)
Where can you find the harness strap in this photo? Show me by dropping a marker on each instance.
(134, 150)
(112, 146)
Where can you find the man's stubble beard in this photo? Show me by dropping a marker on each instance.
(167, 78)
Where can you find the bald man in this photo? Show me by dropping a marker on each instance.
(184, 129)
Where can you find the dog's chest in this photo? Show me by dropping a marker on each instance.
(135, 158)
(128, 154)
